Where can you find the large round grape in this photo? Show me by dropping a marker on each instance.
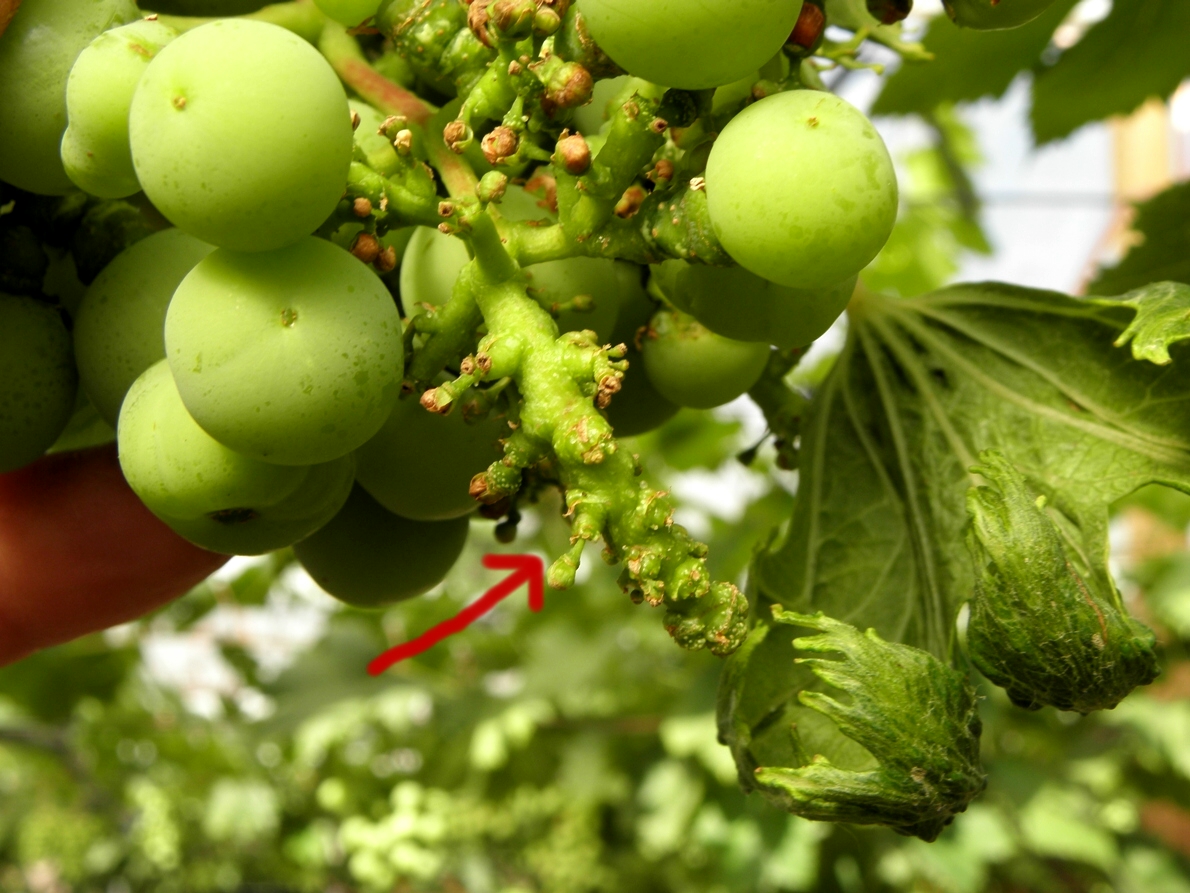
(369, 557)
(420, 465)
(801, 189)
(36, 52)
(737, 304)
(291, 356)
(433, 261)
(991, 15)
(241, 135)
(119, 330)
(692, 366)
(348, 12)
(37, 380)
(690, 45)
(95, 150)
(215, 497)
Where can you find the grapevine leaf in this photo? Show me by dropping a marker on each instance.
(1163, 223)
(969, 65)
(1137, 52)
(877, 537)
(927, 762)
(1041, 627)
(1162, 319)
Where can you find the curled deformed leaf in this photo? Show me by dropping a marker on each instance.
(912, 713)
(1045, 629)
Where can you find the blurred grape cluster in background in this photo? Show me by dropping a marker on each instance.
(234, 742)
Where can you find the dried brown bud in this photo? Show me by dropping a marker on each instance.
(456, 134)
(570, 86)
(662, 172)
(446, 209)
(355, 119)
(630, 202)
(477, 21)
(366, 247)
(502, 143)
(361, 207)
(514, 18)
(659, 125)
(386, 261)
(403, 142)
(574, 153)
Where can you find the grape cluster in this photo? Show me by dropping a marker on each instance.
(535, 226)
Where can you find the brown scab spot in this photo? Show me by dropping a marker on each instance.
(812, 122)
(230, 517)
(289, 317)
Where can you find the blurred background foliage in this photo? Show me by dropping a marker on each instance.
(233, 741)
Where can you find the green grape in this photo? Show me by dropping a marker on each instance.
(737, 304)
(691, 366)
(590, 118)
(801, 189)
(95, 150)
(241, 135)
(213, 496)
(420, 465)
(638, 407)
(690, 45)
(432, 263)
(291, 356)
(206, 7)
(991, 15)
(369, 557)
(348, 12)
(119, 330)
(36, 52)
(37, 379)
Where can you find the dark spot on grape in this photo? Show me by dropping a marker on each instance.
(231, 517)
(179, 102)
(812, 122)
(289, 317)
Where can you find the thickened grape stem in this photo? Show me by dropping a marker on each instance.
(561, 379)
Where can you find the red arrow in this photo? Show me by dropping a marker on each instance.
(525, 569)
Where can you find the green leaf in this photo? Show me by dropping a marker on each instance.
(1137, 52)
(1162, 319)
(1163, 223)
(969, 65)
(927, 761)
(877, 537)
(1047, 623)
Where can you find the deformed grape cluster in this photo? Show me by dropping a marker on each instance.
(535, 225)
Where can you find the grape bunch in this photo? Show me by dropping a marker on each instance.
(394, 262)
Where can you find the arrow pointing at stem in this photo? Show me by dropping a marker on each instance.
(525, 569)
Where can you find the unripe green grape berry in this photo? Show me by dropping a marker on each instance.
(637, 407)
(37, 379)
(36, 53)
(429, 267)
(737, 304)
(690, 45)
(369, 557)
(213, 496)
(991, 15)
(241, 135)
(801, 190)
(691, 366)
(420, 464)
(119, 330)
(291, 356)
(95, 150)
(348, 12)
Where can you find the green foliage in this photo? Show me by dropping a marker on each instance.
(1135, 53)
(1047, 623)
(1163, 224)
